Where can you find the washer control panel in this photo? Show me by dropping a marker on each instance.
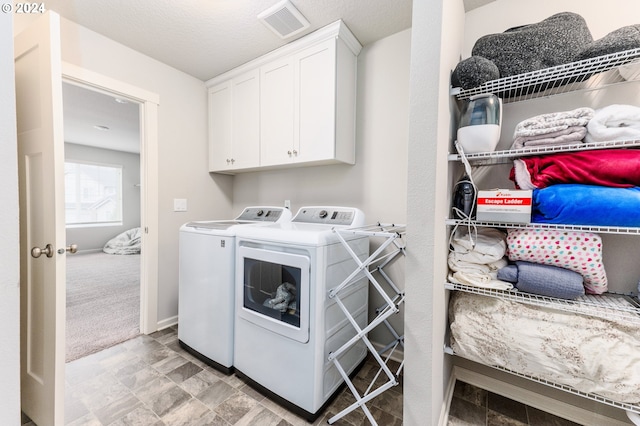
(261, 214)
(339, 216)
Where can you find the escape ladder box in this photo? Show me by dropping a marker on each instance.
(392, 246)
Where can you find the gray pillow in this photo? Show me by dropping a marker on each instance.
(554, 41)
(625, 38)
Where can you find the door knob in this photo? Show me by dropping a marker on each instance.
(36, 252)
(73, 248)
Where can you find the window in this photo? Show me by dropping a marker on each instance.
(93, 194)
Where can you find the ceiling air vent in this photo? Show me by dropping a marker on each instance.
(284, 19)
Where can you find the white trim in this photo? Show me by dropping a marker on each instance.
(448, 396)
(101, 83)
(533, 399)
(149, 102)
(167, 322)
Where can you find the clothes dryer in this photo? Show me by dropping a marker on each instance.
(286, 324)
(206, 283)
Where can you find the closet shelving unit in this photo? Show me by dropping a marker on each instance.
(588, 74)
(392, 245)
(591, 74)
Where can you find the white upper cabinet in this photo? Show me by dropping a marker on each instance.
(277, 106)
(297, 102)
(234, 120)
(316, 106)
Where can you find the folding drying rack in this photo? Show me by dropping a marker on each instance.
(392, 245)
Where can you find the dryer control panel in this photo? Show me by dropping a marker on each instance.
(338, 216)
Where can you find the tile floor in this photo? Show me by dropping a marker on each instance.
(472, 406)
(150, 380)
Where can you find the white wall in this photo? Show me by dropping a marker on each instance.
(437, 39)
(95, 237)
(377, 183)
(182, 149)
(9, 238)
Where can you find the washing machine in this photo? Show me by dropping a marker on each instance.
(206, 283)
(286, 325)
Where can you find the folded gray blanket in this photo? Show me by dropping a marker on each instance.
(569, 136)
(543, 280)
(554, 121)
(554, 128)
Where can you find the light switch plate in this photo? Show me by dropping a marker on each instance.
(179, 205)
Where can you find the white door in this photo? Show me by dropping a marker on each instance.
(42, 229)
(276, 113)
(245, 119)
(220, 145)
(316, 96)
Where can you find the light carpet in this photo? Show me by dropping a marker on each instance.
(103, 302)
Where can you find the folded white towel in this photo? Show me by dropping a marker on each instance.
(614, 123)
(475, 258)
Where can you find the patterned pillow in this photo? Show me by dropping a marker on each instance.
(577, 251)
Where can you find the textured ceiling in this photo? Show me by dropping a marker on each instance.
(205, 38)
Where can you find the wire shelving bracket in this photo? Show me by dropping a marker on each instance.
(392, 246)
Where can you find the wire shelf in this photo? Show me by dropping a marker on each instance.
(566, 227)
(580, 75)
(634, 408)
(503, 157)
(610, 306)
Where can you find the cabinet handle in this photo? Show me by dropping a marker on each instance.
(233, 161)
(228, 161)
(295, 152)
(289, 152)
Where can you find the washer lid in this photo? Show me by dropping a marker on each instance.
(216, 224)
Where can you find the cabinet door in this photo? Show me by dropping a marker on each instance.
(277, 112)
(245, 120)
(315, 87)
(220, 153)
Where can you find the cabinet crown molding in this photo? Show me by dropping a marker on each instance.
(337, 29)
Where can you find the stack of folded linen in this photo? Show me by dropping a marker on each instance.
(552, 129)
(476, 256)
(596, 187)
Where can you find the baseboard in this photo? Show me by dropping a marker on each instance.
(167, 322)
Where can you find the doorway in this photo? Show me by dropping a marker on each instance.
(146, 104)
(102, 212)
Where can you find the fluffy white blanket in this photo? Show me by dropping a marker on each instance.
(614, 123)
(586, 352)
